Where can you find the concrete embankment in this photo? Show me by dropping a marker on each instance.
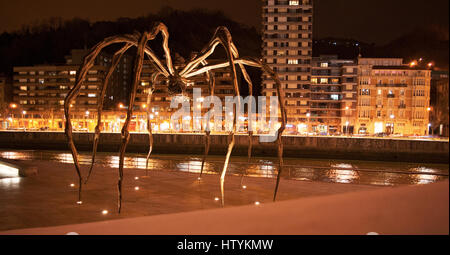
(294, 146)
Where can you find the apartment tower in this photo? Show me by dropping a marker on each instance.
(287, 48)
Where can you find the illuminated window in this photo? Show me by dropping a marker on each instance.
(293, 61)
(323, 64)
(335, 97)
(73, 72)
(92, 95)
(314, 80)
(294, 2)
(365, 92)
(323, 80)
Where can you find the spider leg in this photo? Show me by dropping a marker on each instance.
(116, 59)
(274, 76)
(88, 63)
(250, 114)
(257, 63)
(125, 132)
(221, 36)
(212, 86)
(160, 27)
(149, 124)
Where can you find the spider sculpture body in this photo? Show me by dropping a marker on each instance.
(177, 81)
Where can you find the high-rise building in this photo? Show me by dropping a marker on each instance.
(287, 39)
(120, 85)
(333, 95)
(393, 98)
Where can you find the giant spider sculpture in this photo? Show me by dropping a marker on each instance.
(177, 81)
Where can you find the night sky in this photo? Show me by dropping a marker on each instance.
(368, 20)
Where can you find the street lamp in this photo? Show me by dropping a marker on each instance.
(308, 115)
(23, 119)
(430, 129)
(86, 120)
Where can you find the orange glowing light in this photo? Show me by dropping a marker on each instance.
(14, 106)
(413, 64)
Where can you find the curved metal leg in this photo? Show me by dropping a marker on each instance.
(221, 36)
(71, 97)
(281, 100)
(149, 128)
(125, 132)
(250, 112)
(226, 40)
(212, 87)
(116, 60)
(257, 63)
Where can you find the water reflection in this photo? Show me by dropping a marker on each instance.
(342, 176)
(342, 165)
(423, 170)
(64, 158)
(362, 172)
(425, 179)
(12, 155)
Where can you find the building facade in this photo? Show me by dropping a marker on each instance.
(287, 48)
(333, 95)
(39, 93)
(392, 98)
(439, 103)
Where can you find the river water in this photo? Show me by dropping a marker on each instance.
(323, 170)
